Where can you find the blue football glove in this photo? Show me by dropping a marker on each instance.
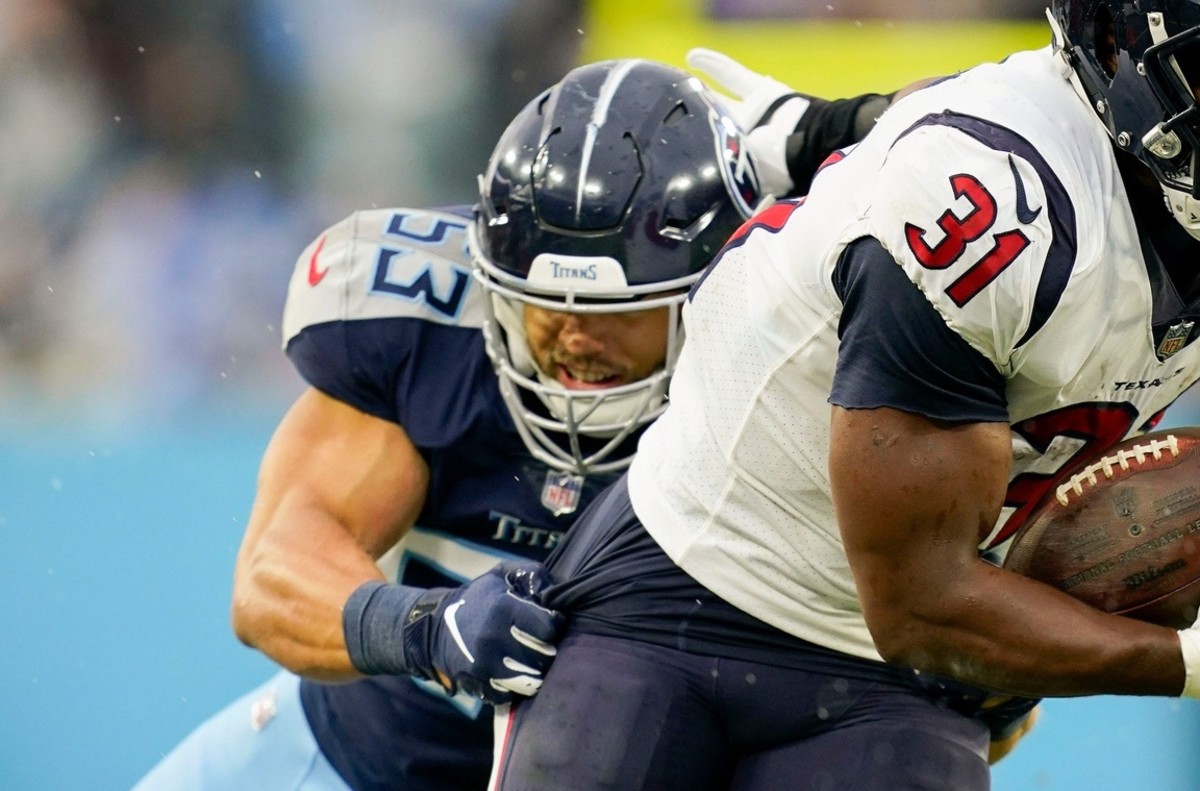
(490, 638)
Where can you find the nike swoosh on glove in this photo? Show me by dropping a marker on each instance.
(492, 638)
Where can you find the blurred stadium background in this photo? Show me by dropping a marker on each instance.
(162, 165)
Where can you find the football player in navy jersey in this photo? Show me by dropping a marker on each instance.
(795, 583)
(477, 376)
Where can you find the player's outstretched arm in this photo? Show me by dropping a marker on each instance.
(914, 498)
(789, 133)
(336, 489)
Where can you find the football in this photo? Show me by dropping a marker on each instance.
(1122, 531)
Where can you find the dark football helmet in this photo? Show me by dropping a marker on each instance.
(1138, 65)
(610, 192)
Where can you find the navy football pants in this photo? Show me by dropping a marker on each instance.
(630, 716)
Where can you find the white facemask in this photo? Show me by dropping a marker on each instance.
(610, 415)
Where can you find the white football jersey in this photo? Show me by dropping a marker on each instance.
(997, 191)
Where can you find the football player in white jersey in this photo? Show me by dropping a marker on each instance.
(794, 584)
(474, 414)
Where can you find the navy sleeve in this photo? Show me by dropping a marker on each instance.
(433, 380)
(351, 362)
(896, 350)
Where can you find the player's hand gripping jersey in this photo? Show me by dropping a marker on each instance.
(954, 265)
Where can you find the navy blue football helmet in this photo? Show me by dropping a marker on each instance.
(1138, 65)
(609, 192)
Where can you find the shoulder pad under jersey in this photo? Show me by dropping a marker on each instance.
(385, 263)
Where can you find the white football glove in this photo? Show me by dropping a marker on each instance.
(1189, 643)
(765, 109)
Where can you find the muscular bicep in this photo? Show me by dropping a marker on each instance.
(913, 499)
(356, 469)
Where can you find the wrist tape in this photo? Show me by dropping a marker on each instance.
(1189, 643)
(387, 628)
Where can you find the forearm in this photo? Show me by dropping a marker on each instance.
(830, 125)
(1005, 633)
(932, 493)
(289, 591)
(826, 127)
(336, 490)
(789, 134)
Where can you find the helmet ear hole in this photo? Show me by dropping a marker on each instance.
(677, 113)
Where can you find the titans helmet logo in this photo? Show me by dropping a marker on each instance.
(736, 166)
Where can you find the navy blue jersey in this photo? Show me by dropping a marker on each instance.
(436, 381)
(383, 314)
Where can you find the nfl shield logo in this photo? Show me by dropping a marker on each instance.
(560, 494)
(1175, 338)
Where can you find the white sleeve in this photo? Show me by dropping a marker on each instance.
(964, 221)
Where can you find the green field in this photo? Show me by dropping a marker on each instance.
(825, 58)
